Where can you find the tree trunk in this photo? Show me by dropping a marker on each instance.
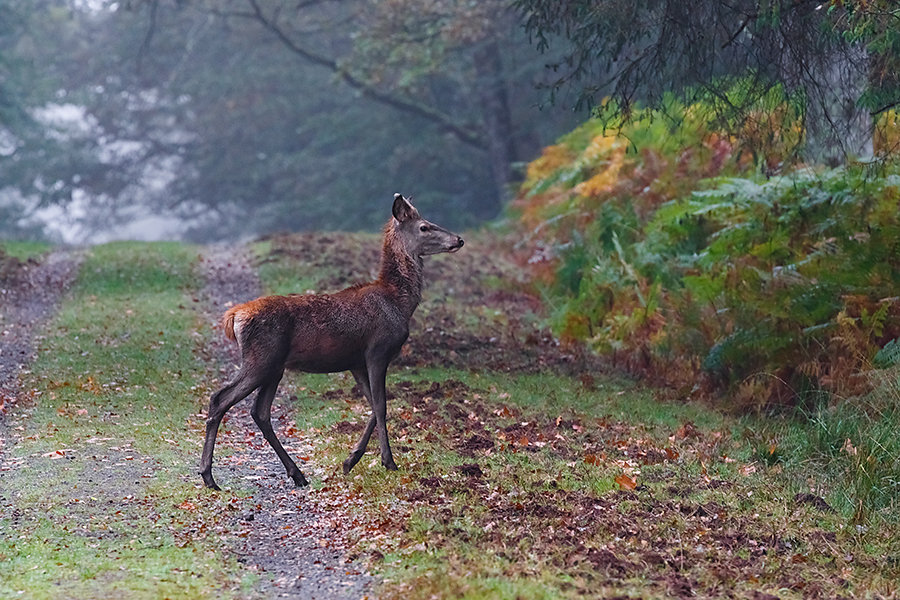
(492, 94)
(837, 128)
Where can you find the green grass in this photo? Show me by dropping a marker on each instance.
(615, 396)
(282, 277)
(24, 250)
(115, 385)
(468, 540)
(448, 536)
(443, 549)
(850, 447)
(302, 263)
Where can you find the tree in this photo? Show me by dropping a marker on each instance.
(834, 57)
(43, 159)
(284, 141)
(448, 68)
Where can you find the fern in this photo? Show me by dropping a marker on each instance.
(671, 257)
(888, 356)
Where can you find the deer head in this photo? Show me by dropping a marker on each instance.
(418, 236)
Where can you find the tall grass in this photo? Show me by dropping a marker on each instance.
(855, 442)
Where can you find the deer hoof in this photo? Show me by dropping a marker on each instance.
(390, 466)
(350, 463)
(210, 483)
(299, 479)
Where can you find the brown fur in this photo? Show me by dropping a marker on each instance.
(359, 329)
(228, 323)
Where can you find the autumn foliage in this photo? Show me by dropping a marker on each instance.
(707, 258)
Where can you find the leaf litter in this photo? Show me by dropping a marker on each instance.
(597, 505)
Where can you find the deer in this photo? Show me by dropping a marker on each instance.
(360, 329)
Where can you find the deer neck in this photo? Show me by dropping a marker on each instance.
(402, 272)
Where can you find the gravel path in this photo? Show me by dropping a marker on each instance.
(28, 298)
(291, 542)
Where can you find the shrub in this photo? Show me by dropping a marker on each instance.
(670, 258)
(794, 278)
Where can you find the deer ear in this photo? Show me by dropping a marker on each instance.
(403, 210)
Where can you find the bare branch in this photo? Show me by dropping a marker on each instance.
(148, 37)
(884, 108)
(740, 29)
(465, 133)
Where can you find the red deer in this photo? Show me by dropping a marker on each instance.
(360, 329)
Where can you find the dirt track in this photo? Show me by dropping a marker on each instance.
(28, 297)
(29, 294)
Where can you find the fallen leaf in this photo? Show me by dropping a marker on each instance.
(625, 482)
(747, 470)
(687, 430)
(849, 448)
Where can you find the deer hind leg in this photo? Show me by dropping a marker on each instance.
(219, 404)
(362, 378)
(262, 416)
(377, 375)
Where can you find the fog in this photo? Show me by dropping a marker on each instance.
(211, 120)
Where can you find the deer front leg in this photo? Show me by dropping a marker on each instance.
(362, 378)
(377, 376)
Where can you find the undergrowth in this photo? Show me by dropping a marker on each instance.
(848, 450)
(656, 244)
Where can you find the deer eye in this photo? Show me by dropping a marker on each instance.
(424, 228)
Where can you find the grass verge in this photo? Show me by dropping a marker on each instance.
(23, 250)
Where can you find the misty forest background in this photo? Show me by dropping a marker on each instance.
(233, 118)
(227, 119)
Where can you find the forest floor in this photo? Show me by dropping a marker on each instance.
(527, 470)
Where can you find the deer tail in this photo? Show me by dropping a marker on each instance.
(228, 323)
